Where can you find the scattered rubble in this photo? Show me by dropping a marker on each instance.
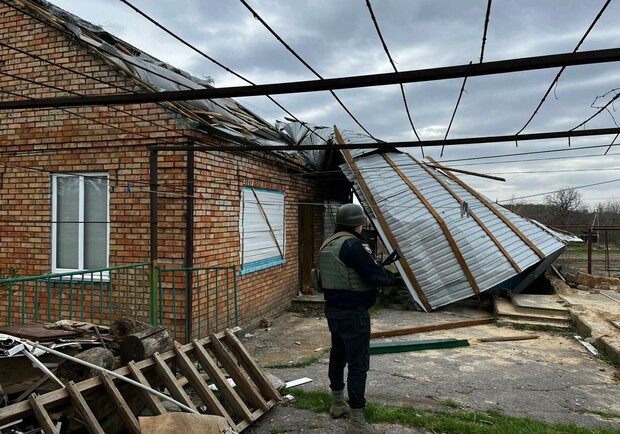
(131, 370)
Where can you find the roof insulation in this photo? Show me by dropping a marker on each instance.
(454, 242)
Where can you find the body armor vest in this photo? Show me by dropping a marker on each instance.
(334, 273)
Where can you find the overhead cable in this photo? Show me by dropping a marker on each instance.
(486, 26)
(458, 101)
(216, 62)
(298, 57)
(557, 77)
(387, 52)
(555, 191)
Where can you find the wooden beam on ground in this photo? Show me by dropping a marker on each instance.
(232, 398)
(431, 328)
(170, 381)
(248, 363)
(42, 417)
(92, 425)
(248, 390)
(506, 338)
(200, 386)
(151, 401)
(129, 420)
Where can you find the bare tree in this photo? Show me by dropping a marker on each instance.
(564, 203)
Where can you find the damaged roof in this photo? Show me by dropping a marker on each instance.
(454, 242)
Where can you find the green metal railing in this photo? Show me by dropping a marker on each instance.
(96, 296)
(142, 291)
(212, 307)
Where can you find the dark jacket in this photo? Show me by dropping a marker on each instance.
(356, 254)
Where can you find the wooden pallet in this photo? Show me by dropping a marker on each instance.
(218, 355)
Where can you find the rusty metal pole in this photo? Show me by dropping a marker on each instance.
(589, 250)
(189, 241)
(607, 264)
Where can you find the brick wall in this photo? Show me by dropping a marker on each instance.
(37, 143)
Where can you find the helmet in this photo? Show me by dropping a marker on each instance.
(351, 214)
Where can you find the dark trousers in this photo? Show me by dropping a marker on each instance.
(350, 333)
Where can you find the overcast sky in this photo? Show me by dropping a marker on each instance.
(338, 38)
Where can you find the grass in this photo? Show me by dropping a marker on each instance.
(299, 364)
(448, 422)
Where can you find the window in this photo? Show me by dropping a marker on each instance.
(80, 228)
(261, 226)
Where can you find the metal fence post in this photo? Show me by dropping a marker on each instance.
(154, 292)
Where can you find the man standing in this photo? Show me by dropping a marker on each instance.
(350, 276)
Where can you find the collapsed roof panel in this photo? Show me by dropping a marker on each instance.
(455, 243)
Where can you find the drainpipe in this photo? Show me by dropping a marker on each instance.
(153, 272)
(189, 241)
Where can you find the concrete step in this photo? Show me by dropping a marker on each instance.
(506, 311)
(540, 304)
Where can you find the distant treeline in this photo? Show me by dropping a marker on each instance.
(566, 210)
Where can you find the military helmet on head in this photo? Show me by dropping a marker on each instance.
(351, 214)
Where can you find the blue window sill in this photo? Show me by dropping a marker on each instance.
(261, 265)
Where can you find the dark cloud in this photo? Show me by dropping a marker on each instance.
(337, 38)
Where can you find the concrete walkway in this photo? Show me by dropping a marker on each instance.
(552, 378)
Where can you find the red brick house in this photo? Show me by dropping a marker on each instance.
(100, 186)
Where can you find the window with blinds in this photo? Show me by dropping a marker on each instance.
(261, 225)
(80, 222)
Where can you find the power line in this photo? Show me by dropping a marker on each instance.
(486, 26)
(216, 62)
(387, 52)
(458, 101)
(110, 53)
(557, 77)
(81, 74)
(600, 110)
(298, 57)
(517, 154)
(555, 191)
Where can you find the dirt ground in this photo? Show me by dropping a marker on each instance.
(579, 261)
(552, 378)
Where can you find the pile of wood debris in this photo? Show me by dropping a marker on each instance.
(71, 377)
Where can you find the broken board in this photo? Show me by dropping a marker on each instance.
(252, 397)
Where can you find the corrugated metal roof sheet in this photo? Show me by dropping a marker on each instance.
(455, 243)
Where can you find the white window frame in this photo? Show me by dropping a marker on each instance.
(54, 185)
(264, 222)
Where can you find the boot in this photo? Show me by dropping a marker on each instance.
(339, 408)
(358, 424)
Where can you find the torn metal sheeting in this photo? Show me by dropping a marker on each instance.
(587, 345)
(298, 382)
(455, 242)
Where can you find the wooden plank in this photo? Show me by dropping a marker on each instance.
(214, 406)
(41, 414)
(431, 328)
(89, 418)
(251, 367)
(229, 394)
(125, 413)
(388, 233)
(151, 401)
(248, 390)
(58, 397)
(177, 392)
